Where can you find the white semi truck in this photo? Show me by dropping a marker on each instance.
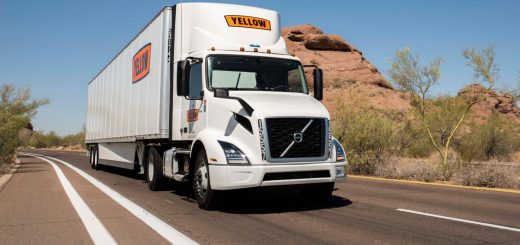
(208, 94)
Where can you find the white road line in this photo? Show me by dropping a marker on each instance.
(166, 231)
(460, 220)
(95, 228)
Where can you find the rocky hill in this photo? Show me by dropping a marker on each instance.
(345, 69)
(495, 102)
(347, 72)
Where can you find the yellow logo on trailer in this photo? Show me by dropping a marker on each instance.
(248, 22)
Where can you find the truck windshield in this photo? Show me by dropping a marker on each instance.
(256, 73)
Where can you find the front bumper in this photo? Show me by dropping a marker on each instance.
(225, 177)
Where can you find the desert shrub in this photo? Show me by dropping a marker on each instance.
(16, 110)
(44, 140)
(74, 139)
(365, 134)
(442, 116)
(410, 169)
(337, 83)
(411, 76)
(497, 138)
(51, 139)
(411, 140)
(491, 175)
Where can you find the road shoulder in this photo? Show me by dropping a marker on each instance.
(4, 178)
(435, 184)
(35, 209)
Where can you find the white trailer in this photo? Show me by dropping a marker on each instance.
(207, 94)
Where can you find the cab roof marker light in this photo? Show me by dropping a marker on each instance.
(212, 48)
(242, 49)
(255, 50)
(268, 51)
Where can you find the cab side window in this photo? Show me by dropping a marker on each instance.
(294, 80)
(195, 81)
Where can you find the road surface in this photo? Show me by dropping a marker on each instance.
(37, 206)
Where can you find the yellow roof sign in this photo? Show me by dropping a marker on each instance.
(248, 22)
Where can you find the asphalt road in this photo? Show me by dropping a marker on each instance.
(35, 208)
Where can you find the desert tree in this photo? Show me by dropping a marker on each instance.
(409, 75)
(16, 110)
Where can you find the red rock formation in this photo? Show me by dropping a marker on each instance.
(347, 72)
(495, 102)
(345, 69)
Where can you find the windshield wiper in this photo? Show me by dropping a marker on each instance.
(238, 80)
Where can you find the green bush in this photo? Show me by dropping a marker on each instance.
(497, 138)
(51, 139)
(16, 110)
(412, 140)
(366, 136)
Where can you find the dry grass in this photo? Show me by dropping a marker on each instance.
(516, 157)
(491, 174)
(410, 169)
(494, 174)
(5, 167)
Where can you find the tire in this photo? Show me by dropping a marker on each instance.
(90, 157)
(318, 193)
(95, 159)
(153, 170)
(206, 197)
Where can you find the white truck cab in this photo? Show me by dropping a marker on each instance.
(208, 94)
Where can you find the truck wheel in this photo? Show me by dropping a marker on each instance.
(153, 170)
(206, 197)
(318, 193)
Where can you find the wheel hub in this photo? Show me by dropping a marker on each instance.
(201, 181)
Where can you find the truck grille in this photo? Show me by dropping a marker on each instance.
(281, 133)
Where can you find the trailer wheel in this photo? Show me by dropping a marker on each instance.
(206, 197)
(153, 170)
(90, 156)
(318, 193)
(95, 159)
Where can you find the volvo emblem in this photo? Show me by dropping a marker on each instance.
(298, 137)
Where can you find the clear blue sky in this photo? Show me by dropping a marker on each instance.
(56, 47)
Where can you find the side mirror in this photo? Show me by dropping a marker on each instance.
(318, 83)
(221, 93)
(183, 78)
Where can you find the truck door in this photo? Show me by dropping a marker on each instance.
(193, 112)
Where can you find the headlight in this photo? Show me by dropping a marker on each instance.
(340, 153)
(234, 155)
